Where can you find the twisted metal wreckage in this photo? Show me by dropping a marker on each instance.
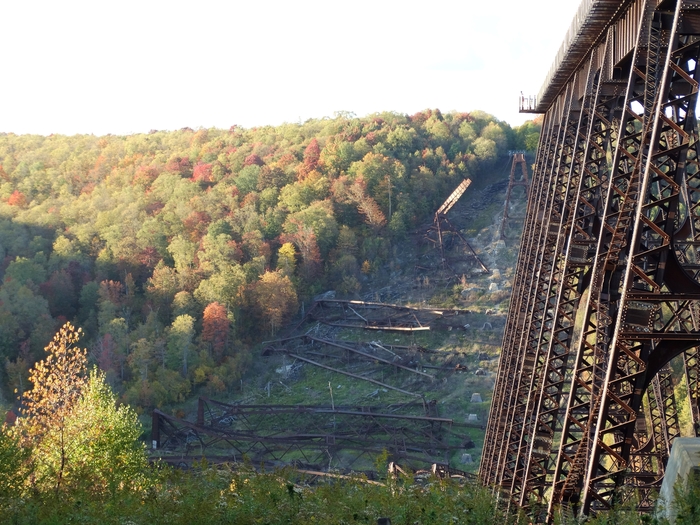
(316, 439)
(607, 285)
(310, 437)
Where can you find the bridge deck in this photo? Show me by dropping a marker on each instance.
(585, 31)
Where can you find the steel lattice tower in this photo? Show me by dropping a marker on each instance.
(518, 160)
(607, 285)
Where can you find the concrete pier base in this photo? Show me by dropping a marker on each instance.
(685, 456)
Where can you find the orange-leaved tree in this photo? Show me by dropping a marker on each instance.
(274, 299)
(215, 329)
(58, 383)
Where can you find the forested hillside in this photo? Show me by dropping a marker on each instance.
(177, 251)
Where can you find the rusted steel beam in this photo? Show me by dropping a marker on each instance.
(618, 295)
(374, 305)
(374, 381)
(557, 333)
(361, 412)
(398, 318)
(580, 438)
(342, 437)
(544, 315)
(238, 431)
(387, 328)
(454, 230)
(454, 197)
(368, 356)
(539, 253)
(498, 429)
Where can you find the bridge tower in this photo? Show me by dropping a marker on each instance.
(518, 160)
(607, 285)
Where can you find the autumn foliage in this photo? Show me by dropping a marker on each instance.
(58, 382)
(274, 299)
(75, 436)
(17, 199)
(203, 173)
(215, 329)
(124, 235)
(312, 154)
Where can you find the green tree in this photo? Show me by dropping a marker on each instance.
(57, 382)
(217, 253)
(485, 150)
(222, 287)
(319, 217)
(184, 303)
(180, 338)
(25, 271)
(182, 252)
(13, 467)
(497, 134)
(78, 438)
(107, 456)
(286, 259)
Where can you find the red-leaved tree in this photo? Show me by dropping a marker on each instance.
(253, 159)
(312, 154)
(202, 173)
(17, 199)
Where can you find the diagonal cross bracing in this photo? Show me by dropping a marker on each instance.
(607, 284)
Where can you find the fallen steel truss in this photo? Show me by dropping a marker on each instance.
(316, 437)
(412, 359)
(607, 285)
(382, 316)
(442, 226)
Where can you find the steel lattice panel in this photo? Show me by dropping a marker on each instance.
(607, 284)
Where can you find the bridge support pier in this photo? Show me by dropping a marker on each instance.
(607, 285)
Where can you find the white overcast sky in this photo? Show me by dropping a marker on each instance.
(123, 66)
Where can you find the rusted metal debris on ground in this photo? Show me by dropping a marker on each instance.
(303, 346)
(367, 351)
(319, 437)
(381, 316)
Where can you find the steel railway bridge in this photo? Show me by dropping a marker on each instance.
(607, 285)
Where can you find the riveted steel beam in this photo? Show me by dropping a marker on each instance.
(607, 285)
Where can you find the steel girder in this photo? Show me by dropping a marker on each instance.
(606, 288)
(377, 316)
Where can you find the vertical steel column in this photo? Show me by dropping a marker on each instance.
(522, 360)
(518, 160)
(591, 347)
(563, 184)
(553, 339)
(517, 316)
